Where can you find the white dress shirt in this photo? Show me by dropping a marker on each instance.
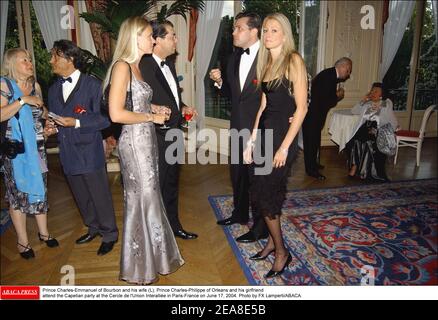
(246, 61)
(67, 88)
(169, 78)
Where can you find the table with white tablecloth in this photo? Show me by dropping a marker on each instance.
(341, 126)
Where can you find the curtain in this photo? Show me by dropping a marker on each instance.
(194, 15)
(4, 23)
(49, 18)
(101, 40)
(206, 31)
(85, 37)
(435, 18)
(400, 12)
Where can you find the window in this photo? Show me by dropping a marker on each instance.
(310, 36)
(216, 105)
(396, 79)
(12, 37)
(426, 89)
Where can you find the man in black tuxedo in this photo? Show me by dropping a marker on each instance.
(76, 99)
(159, 72)
(241, 87)
(324, 96)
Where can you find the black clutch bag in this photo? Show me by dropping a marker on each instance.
(11, 147)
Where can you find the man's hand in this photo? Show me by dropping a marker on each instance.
(216, 76)
(66, 121)
(49, 128)
(340, 93)
(189, 110)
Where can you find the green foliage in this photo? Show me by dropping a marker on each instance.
(112, 17)
(290, 8)
(179, 8)
(397, 78)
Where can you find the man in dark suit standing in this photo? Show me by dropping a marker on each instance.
(241, 87)
(159, 72)
(324, 96)
(76, 99)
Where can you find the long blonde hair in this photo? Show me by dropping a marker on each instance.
(126, 47)
(9, 61)
(278, 69)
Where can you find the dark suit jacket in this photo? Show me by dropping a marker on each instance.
(323, 94)
(81, 149)
(244, 103)
(162, 94)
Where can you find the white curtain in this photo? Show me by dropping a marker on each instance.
(206, 31)
(85, 38)
(50, 20)
(435, 18)
(3, 26)
(400, 12)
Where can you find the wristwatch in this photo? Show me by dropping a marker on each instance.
(20, 101)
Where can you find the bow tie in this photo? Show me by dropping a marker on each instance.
(65, 79)
(245, 51)
(162, 63)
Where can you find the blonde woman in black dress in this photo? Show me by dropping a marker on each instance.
(283, 77)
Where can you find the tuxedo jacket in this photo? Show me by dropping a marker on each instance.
(81, 149)
(246, 102)
(162, 94)
(323, 93)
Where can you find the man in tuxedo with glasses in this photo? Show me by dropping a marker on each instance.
(159, 72)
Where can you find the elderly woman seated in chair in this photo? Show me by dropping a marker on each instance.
(364, 158)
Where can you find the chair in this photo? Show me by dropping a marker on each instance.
(413, 139)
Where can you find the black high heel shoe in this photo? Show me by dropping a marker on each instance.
(28, 252)
(258, 256)
(271, 273)
(50, 242)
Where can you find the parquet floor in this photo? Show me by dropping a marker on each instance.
(209, 259)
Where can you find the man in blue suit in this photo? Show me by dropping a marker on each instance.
(76, 99)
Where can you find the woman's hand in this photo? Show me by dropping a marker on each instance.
(247, 153)
(159, 118)
(33, 101)
(280, 158)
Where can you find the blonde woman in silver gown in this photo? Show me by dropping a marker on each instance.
(149, 247)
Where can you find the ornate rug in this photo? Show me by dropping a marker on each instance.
(381, 234)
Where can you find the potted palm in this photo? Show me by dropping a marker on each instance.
(113, 13)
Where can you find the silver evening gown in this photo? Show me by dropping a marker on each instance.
(149, 247)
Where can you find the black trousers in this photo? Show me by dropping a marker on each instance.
(240, 179)
(93, 198)
(312, 127)
(169, 182)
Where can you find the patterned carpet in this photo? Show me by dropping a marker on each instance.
(382, 234)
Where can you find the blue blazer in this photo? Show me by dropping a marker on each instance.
(81, 149)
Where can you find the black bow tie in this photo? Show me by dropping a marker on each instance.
(162, 63)
(245, 51)
(65, 79)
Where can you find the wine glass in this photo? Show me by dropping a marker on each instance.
(165, 110)
(187, 117)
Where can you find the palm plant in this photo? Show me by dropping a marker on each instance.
(114, 13)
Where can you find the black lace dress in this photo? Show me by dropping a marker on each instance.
(268, 191)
